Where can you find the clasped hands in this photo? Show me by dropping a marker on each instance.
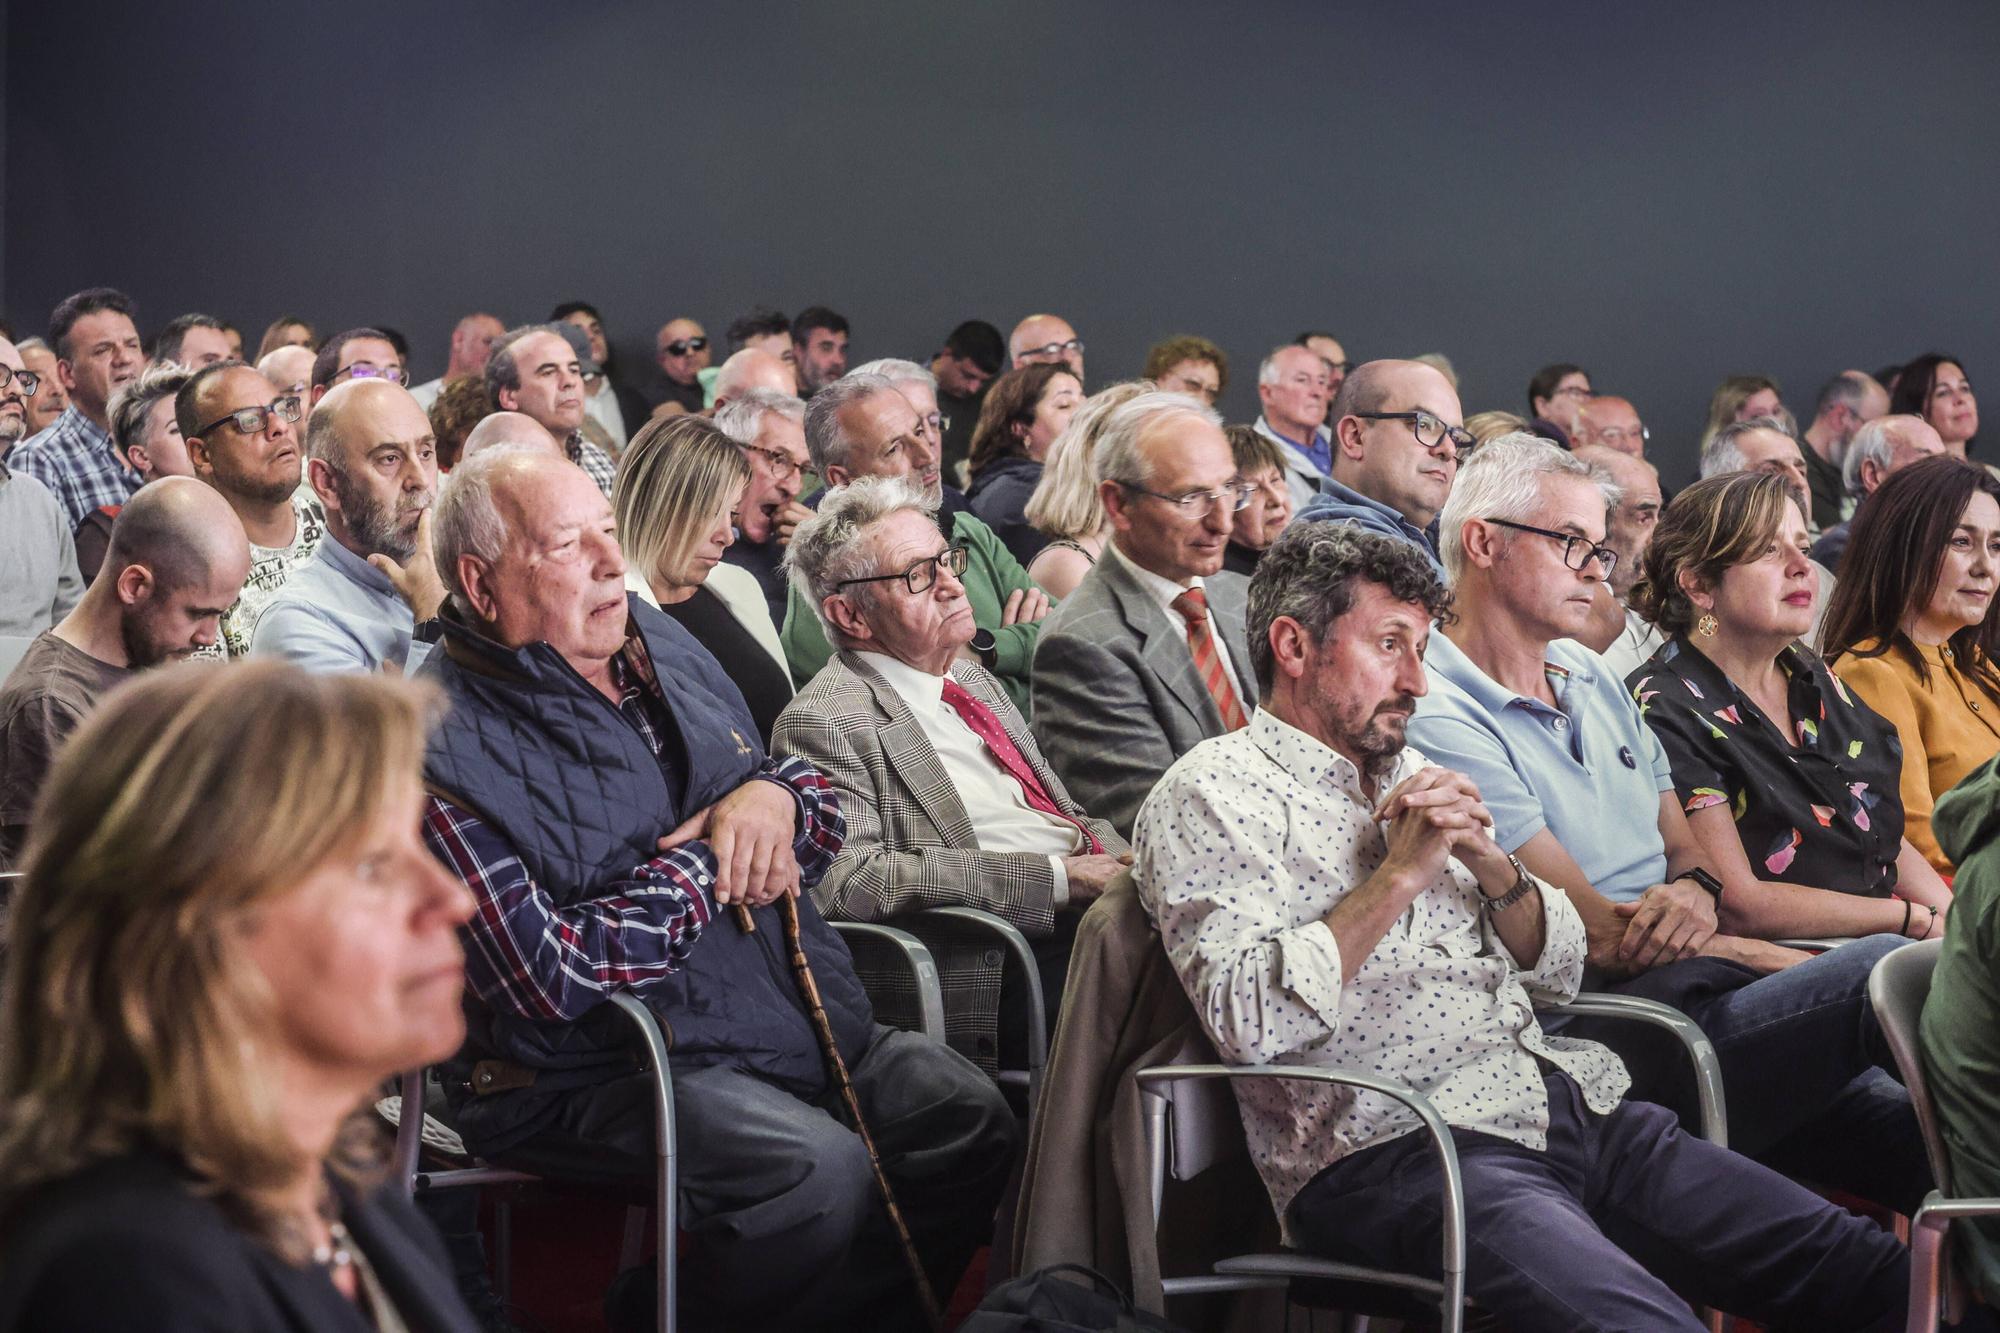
(750, 833)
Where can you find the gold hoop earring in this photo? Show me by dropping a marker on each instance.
(1706, 626)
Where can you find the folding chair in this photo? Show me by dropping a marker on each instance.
(954, 923)
(1898, 987)
(1191, 1125)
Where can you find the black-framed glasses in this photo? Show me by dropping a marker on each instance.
(368, 370)
(1236, 495)
(1430, 430)
(1052, 351)
(682, 346)
(255, 420)
(783, 466)
(923, 575)
(1578, 552)
(27, 379)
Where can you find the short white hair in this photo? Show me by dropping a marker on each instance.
(829, 548)
(1723, 454)
(742, 417)
(1875, 442)
(897, 371)
(466, 520)
(1116, 455)
(1503, 480)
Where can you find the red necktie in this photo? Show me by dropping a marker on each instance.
(1193, 606)
(986, 726)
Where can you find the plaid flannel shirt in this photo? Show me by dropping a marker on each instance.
(593, 461)
(75, 460)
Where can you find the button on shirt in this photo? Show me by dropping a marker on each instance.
(1002, 819)
(75, 460)
(1247, 842)
(1588, 769)
(1164, 591)
(338, 613)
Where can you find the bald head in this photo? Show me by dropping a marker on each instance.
(289, 367)
(181, 530)
(1041, 338)
(753, 369)
(1610, 422)
(516, 428)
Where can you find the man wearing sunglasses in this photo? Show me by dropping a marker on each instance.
(471, 340)
(36, 549)
(681, 351)
(1040, 338)
(243, 438)
(1398, 438)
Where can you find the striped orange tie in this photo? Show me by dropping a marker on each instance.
(1193, 606)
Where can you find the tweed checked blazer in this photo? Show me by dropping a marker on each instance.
(1116, 695)
(911, 845)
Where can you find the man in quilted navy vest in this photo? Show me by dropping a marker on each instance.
(598, 783)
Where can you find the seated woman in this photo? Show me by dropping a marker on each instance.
(1024, 412)
(675, 500)
(1781, 771)
(1912, 629)
(228, 936)
(1741, 397)
(1065, 507)
(1935, 387)
(1258, 523)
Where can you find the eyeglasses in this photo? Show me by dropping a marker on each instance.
(1617, 435)
(1430, 430)
(27, 379)
(368, 370)
(255, 420)
(783, 466)
(1578, 552)
(1051, 351)
(682, 346)
(1236, 496)
(1573, 391)
(923, 575)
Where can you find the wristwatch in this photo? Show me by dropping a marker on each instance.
(1523, 882)
(1708, 882)
(984, 645)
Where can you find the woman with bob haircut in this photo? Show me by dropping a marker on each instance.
(1066, 506)
(1782, 772)
(228, 935)
(675, 499)
(1024, 414)
(1912, 628)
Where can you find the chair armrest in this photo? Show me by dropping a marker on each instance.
(1023, 953)
(666, 1168)
(1815, 945)
(1707, 1067)
(1152, 1082)
(916, 958)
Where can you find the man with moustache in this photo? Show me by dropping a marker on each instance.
(359, 603)
(97, 349)
(176, 561)
(36, 548)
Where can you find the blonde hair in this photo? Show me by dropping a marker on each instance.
(188, 798)
(1492, 425)
(1065, 503)
(1730, 395)
(678, 477)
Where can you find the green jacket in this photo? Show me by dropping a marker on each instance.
(1961, 1025)
(991, 576)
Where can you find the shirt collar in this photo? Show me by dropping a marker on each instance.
(916, 687)
(1160, 588)
(1446, 659)
(354, 567)
(1312, 762)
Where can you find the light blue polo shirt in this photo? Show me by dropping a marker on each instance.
(1590, 770)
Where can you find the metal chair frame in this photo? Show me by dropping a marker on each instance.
(1022, 955)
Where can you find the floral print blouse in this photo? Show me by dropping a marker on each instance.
(1826, 812)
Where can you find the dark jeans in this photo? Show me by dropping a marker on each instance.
(1601, 1230)
(779, 1192)
(1806, 1071)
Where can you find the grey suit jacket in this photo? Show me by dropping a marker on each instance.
(911, 845)
(1116, 697)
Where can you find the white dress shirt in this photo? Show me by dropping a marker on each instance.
(1002, 819)
(602, 407)
(1249, 840)
(1164, 590)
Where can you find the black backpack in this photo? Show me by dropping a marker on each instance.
(1045, 1301)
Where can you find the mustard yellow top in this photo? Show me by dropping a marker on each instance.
(1948, 728)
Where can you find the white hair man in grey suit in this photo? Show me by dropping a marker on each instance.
(948, 800)
(1148, 655)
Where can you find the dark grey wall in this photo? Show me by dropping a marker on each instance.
(1666, 193)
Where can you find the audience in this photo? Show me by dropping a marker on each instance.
(356, 354)
(242, 438)
(679, 488)
(50, 400)
(36, 548)
(751, 369)
(192, 341)
(97, 350)
(608, 400)
(1260, 466)
(1334, 355)
(1306, 931)
(769, 426)
(1147, 656)
(864, 426)
(948, 800)
(1582, 792)
(1066, 507)
(680, 350)
(1046, 338)
(1555, 395)
(919, 386)
(287, 331)
(1883, 446)
(358, 602)
(1782, 774)
(146, 435)
(533, 370)
(688, 817)
(1611, 423)
(1849, 401)
(1190, 365)
(1397, 442)
(176, 561)
(1934, 387)
(1293, 390)
(972, 355)
(1616, 629)
(209, 1007)
(819, 345)
(1025, 411)
(472, 341)
(1913, 630)
(1744, 398)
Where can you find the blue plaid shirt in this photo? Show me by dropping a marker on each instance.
(75, 460)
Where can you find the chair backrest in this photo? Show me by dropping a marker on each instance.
(1204, 1126)
(1897, 988)
(12, 649)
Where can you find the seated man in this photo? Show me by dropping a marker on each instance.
(1580, 789)
(769, 427)
(357, 603)
(1295, 388)
(1880, 448)
(1398, 438)
(948, 799)
(534, 370)
(176, 559)
(599, 786)
(36, 548)
(863, 426)
(1147, 656)
(1329, 898)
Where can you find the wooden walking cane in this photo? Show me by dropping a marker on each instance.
(788, 912)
